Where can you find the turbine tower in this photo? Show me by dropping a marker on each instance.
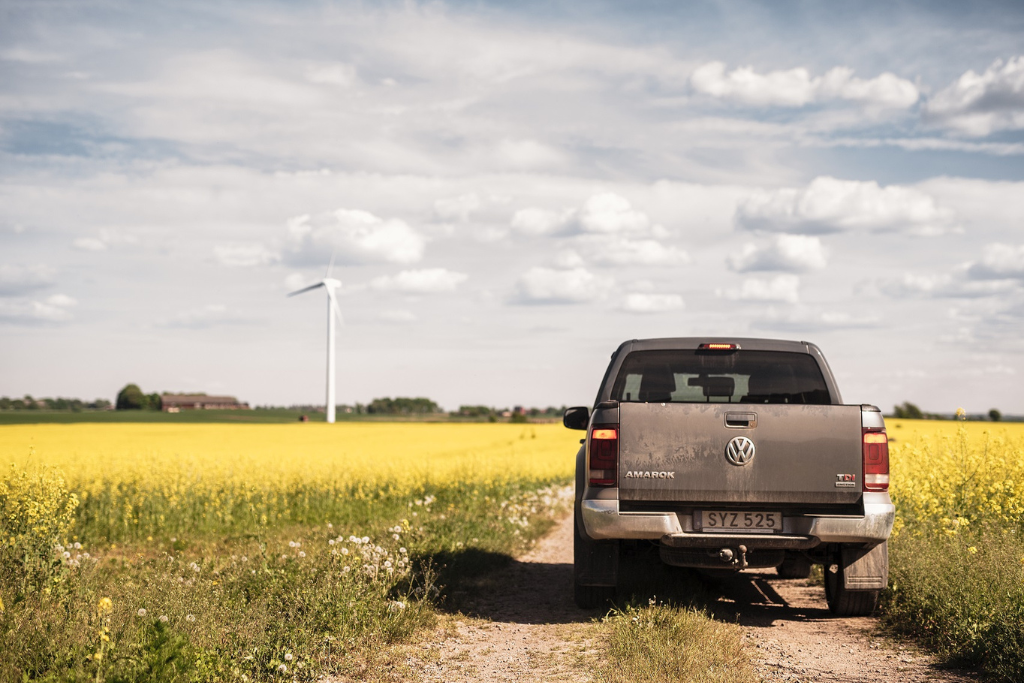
(330, 285)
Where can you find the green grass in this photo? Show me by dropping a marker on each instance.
(963, 596)
(240, 604)
(659, 643)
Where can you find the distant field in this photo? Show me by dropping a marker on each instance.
(273, 416)
(11, 417)
(158, 478)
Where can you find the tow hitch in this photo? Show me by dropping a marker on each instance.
(729, 557)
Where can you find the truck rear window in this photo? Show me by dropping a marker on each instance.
(694, 376)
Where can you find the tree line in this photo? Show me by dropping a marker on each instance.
(909, 411)
(27, 402)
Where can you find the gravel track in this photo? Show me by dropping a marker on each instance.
(522, 626)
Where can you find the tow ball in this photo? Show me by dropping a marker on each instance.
(729, 557)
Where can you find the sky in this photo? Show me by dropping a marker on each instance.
(508, 191)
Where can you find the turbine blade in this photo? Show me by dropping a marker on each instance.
(306, 289)
(334, 305)
(331, 264)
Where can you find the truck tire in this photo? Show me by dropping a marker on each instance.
(794, 567)
(588, 596)
(841, 601)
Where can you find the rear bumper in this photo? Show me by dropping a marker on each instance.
(602, 520)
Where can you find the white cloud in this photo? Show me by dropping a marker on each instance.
(107, 238)
(811, 320)
(833, 205)
(355, 237)
(608, 213)
(604, 213)
(398, 316)
(797, 88)
(981, 104)
(526, 154)
(425, 281)
(90, 244)
(54, 309)
(783, 288)
(61, 301)
(457, 208)
(245, 255)
(625, 252)
(534, 221)
(550, 286)
(999, 261)
(945, 286)
(567, 258)
(201, 318)
(17, 280)
(337, 73)
(793, 253)
(652, 303)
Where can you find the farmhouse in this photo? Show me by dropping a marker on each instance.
(173, 403)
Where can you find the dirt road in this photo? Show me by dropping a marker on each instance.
(523, 627)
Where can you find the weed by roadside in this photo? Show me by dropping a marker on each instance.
(659, 643)
(963, 596)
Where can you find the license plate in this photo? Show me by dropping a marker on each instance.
(752, 522)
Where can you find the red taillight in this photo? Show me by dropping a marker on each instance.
(604, 455)
(715, 346)
(876, 460)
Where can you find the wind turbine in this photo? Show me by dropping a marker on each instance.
(330, 285)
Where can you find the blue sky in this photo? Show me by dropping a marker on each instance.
(510, 189)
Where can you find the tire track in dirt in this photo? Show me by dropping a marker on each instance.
(520, 624)
(793, 636)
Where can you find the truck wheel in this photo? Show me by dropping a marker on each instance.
(843, 602)
(794, 567)
(585, 552)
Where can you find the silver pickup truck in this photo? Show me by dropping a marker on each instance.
(731, 454)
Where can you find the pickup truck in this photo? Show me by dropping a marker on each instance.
(729, 454)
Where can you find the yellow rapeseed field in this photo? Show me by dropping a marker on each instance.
(133, 479)
(954, 474)
(158, 456)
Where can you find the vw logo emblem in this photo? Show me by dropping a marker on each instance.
(740, 451)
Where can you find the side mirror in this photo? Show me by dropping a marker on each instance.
(576, 418)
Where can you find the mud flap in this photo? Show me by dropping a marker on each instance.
(595, 563)
(865, 569)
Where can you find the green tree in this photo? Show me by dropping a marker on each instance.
(402, 406)
(131, 398)
(475, 411)
(908, 411)
(995, 415)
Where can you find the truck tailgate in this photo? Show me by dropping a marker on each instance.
(802, 453)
